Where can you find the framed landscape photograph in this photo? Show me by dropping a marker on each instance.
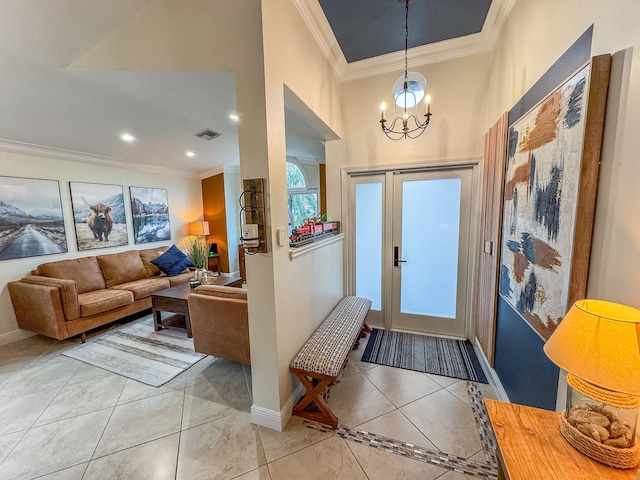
(549, 198)
(31, 220)
(150, 210)
(98, 215)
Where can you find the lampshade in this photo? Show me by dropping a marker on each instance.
(599, 342)
(199, 228)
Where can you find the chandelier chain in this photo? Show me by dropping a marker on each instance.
(406, 38)
(409, 124)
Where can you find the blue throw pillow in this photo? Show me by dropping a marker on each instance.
(173, 261)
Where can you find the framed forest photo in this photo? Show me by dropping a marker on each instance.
(31, 220)
(549, 198)
(150, 210)
(98, 215)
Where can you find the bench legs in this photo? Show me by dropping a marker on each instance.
(313, 406)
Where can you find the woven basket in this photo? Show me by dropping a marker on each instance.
(612, 456)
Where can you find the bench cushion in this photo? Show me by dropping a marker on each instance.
(325, 352)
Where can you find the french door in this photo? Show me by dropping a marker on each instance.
(411, 248)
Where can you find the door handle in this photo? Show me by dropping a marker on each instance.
(396, 261)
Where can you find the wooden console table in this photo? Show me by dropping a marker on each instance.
(530, 447)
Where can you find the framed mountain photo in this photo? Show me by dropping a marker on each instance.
(150, 210)
(31, 219)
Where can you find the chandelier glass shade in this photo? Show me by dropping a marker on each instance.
(408, 91)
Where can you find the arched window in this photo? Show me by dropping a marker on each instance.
(302, 200)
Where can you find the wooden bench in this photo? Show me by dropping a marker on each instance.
(322, 358)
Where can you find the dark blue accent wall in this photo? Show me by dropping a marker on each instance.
(527, 375)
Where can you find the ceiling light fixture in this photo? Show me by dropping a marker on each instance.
(127, 137)
(234, 117)
(191, 154)
(407, 92)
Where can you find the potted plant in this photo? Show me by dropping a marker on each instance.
(198, 253)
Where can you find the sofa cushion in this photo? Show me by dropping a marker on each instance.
(173, 261)
(145, 287)
(222, 291)
(85, 272)
(150, 254)
(99, 301)
(122, 267)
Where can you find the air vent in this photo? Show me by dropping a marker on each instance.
(207, 134)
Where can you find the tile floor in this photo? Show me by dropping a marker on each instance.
(61, 419)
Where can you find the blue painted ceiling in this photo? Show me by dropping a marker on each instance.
(369, 28)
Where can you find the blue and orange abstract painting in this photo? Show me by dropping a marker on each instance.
(540, 204)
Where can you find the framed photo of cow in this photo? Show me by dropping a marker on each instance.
(98, 215)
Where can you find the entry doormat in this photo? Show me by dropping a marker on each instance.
(440, 356)
(138, 352)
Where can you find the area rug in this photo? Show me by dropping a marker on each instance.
(138, 352)
(440, 356)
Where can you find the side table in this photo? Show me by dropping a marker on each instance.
(530, 447)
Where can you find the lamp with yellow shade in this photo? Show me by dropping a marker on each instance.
(199, 229)
(598, 345)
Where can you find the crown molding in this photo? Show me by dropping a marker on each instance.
(473, 44)
(79, 157)
(212, 172)
(314, 18)
(418, 56)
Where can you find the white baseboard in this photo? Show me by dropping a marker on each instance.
(273, 419)
(492, 376)
(14, 336)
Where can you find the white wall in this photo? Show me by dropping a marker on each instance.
(536, 33)
(232, 190)
(288, 45)
(185, 204)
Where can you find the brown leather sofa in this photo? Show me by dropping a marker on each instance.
(70, 297)
(220, 322)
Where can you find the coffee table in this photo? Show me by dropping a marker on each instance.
(174, 300)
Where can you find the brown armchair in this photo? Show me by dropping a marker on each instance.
(220, 322)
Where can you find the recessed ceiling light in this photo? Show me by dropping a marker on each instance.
(127, 137)
(233, 117)
(191, 154)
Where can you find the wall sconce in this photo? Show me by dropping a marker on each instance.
(598, 344)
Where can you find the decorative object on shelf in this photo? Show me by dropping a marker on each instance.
(313, 229)
(598, 344)
(99, 215)
(407, 92)
(31, 220)
(150, 210)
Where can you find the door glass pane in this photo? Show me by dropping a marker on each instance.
(369, 242)
(430, 237)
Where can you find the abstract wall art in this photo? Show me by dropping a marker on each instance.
(150, 210)
(549, 201)
(99, 215)
(31, 221)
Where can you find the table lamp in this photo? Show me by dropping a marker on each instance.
(598, 344)
(199, 229)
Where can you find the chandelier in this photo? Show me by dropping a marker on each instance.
(407, 93)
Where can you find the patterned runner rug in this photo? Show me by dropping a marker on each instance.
(137, 351)
(440, 356)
